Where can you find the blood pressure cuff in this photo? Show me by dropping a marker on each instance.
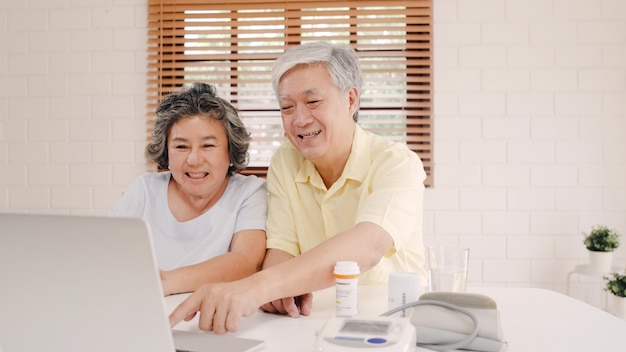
(451, 320)
(448, 321)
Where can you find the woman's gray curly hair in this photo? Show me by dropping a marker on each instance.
(198, 99)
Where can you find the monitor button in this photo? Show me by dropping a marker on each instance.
(376, 340)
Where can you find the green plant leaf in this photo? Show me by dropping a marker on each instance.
(601, 239)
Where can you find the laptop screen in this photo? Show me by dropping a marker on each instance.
(82, 283)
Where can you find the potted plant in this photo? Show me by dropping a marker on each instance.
(601, 242)
(616, 284)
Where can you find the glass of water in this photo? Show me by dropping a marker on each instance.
(447, 268)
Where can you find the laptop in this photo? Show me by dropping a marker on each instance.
(84, 283)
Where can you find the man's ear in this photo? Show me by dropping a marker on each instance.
(353, 98)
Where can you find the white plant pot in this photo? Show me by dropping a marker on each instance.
(600, 262)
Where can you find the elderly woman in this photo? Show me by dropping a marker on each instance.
(207, 220)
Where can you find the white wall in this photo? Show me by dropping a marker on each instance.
(72, 103)
(530, 125)
(530, 118)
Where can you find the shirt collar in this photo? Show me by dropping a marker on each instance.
(356, 167)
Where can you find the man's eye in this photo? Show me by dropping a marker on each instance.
(286, 108)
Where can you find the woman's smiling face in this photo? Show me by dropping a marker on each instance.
(197, 148)
(317, 117)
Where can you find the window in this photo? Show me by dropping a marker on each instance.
(234, 45)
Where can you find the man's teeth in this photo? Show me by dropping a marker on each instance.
(309, 135)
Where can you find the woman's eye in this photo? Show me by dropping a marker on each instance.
(180, 147)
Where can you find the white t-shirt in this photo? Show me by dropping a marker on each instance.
(243, 206)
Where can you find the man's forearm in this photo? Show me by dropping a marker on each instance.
(275, 256)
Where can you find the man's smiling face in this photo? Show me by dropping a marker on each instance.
(317, 117)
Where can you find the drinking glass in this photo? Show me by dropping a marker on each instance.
(447, 268)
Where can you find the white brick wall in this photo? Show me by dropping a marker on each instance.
(530, 118)
(72, 103)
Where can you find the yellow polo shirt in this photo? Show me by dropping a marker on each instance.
(382, 183)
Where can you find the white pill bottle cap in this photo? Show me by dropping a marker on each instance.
(347, 268)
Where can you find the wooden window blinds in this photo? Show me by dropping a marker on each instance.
(233, 45)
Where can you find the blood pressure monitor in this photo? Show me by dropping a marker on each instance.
(376, 334)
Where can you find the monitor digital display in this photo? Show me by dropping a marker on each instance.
(366, 327)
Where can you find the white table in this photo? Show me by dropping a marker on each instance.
(533, 320)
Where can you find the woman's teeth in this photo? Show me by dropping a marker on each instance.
(197, 175)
